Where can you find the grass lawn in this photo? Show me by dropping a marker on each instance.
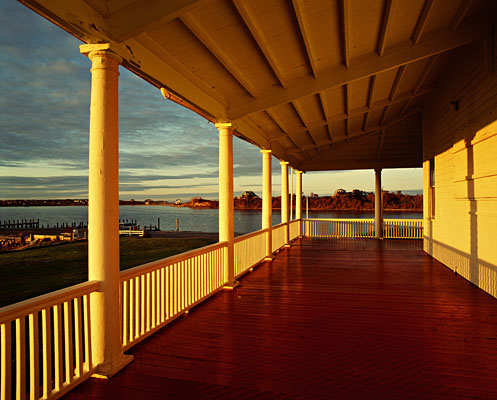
(32, 272)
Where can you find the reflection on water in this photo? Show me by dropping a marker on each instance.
(201, 220)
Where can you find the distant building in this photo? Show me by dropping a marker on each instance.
(248, 194)
(340, 192)
(178, 201)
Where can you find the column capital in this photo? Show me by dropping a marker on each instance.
(220, 125)
(264, 151)
(284, 162)
(100, 49)
(297, 171)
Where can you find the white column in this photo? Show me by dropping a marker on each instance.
(298, 200)
(103, 211)
(378, 207)
(267, 202)
(226, 212)
(284, 200)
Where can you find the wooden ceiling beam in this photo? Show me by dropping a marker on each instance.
(361, 133)
(140, 16)
(420, 25)
(422, 77)
(213, 47)
(280, 124)
(345, 33)
(398, 98)
(300, 21)
(369, 102)
(300, 113)
(248, 19)
(404, 53)
(324, 107)
(460, 14)
(380, 145)
(384, 26)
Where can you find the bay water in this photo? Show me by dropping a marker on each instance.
(197, 220)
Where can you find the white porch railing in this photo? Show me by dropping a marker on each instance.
(156, 293)
(62, 346)
(250, 249)
(278, 236)
(294, 227)
(363, 228)
(338, 227)
(403, 228)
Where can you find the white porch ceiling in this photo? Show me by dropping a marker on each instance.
(324, 85)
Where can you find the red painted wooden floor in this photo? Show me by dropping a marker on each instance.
(327, 319)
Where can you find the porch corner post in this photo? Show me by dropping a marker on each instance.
(284, 200)
(103, 211)
(226, 208)
(298, 201)
(267, 202)
(378, 206)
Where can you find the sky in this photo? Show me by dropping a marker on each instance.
(165, 151)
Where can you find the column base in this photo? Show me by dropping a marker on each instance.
(268, 258)
(108, 370)
(287, 245)
(231, 285)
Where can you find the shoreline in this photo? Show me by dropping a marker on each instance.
(416, 210)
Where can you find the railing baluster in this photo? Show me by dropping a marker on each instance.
(47, 352)
(6, 361)
(78, 341)
(87, 330)
(58, 356)
(34, 357)
(125, 312)
(20, 358)
(68, 341)
(132, 310)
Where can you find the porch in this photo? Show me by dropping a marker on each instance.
(347, 318)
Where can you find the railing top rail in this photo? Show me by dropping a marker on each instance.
(402, 220)
(250, 235)
(164, 262)
(294, 221)
(281, 225)
(23, 308)
(362, 219)
(340, 219)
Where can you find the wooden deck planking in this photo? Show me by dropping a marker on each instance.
(326, 319)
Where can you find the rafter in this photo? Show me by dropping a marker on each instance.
(399, 98)
(141, 16)
(405, 53)
(246, 16)
(380, 144)
(298, 14)
(162, 54)
(324, 107)
(384, 26)
(369, 101)
(222, 56)
(345, 33)
(460, 14)
(278, 122)
(417, 86)
(300, 113)
(420, 25)
(374, 130)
